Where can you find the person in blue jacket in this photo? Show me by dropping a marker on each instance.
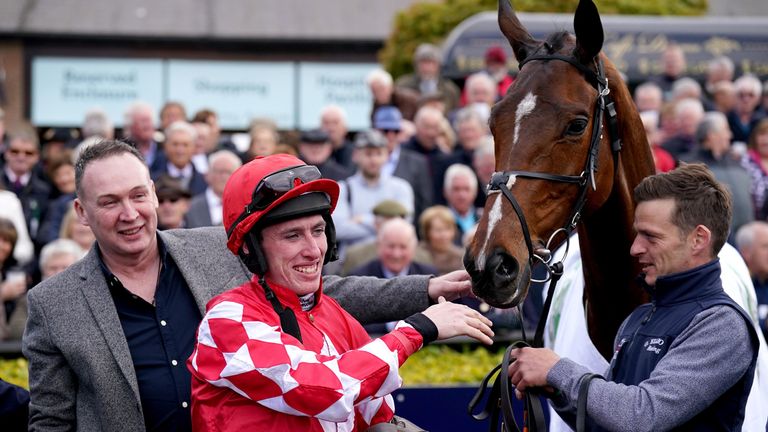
(686, 360)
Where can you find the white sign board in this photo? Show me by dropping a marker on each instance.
(237, 91)
(342, 84)
(64, 89)
(292, 94)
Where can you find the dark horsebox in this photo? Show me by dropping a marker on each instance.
(633, 43)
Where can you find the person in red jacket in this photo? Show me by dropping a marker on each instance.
(275, 354)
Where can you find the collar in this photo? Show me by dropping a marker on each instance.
(390, 274)
(24, 178)
(213, 199)
(185, 172)
(287, 297)
(687, 285)
(112, 280)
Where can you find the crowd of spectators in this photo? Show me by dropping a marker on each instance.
(423, 163)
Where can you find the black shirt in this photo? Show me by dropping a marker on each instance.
(161, 338)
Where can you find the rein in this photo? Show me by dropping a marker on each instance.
(500, 397)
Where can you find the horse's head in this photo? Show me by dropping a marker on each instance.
(545, 128)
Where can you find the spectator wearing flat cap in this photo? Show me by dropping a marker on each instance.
(360, 253)
(315, 148)
(426, 79)
(360, 193)
(403, 163)
(173, 203)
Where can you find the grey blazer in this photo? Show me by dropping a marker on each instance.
(199, 213)
(81, 374)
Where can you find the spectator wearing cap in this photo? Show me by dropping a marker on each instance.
(403, 163)
(179, 148)
(385, 94)
(315, 148)
(173, 203)
(54, 143)
(360, 253)
(426, 79)
(205, 208)
(333, 120)
(360, 193)
(496, 67)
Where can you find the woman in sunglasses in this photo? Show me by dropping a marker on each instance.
(276, 354)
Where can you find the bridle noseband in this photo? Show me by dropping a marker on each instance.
(501, 181)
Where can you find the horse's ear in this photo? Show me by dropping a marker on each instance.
(522, 42)
(589, 31)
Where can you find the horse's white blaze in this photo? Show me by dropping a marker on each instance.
(526, 107)
(494, 216)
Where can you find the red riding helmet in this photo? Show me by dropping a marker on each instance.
(273, 189)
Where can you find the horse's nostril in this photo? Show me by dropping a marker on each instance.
(504, 267)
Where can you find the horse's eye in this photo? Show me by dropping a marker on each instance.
(576, 127)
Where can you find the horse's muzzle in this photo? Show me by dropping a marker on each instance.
(500, 283)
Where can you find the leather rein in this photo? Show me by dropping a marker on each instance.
(501, 395)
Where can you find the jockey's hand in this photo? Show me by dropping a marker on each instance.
(453, 285)
(452, 319)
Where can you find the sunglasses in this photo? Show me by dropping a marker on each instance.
(17, 152)
(273, 186)
(388, 131)
(170, 200)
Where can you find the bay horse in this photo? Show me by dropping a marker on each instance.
(570, 148)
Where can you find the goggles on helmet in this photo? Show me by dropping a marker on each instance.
(271, 187)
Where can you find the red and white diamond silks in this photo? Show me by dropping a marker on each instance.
(248, 375)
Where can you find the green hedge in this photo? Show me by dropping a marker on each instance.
(15, 371)
(435, 364)
(431, 22)
(444, 364)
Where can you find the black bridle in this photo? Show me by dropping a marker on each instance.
(500, 181)
(499, 398)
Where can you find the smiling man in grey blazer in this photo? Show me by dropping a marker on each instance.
(108, 338)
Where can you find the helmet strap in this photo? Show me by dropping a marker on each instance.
(287, 318)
